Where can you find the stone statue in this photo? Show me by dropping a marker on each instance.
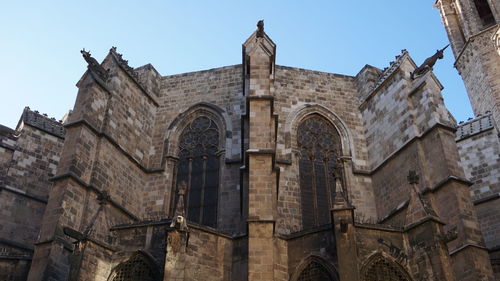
(94, 66)
(179, 207)
(428, 63)
(260, 29)
(179, 221)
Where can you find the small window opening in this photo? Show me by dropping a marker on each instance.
(484, 11)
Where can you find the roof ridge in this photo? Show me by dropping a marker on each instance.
(388, 71)
(43, 122)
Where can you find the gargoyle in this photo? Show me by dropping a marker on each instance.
(428, 63)
(94, 66)
(449, 236)
(179, 223)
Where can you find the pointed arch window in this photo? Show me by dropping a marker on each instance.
(380, 269)
(315, 272)
(137, 267)
(198, 168)
(319, 145)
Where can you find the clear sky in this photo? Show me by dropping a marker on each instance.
(40, 41)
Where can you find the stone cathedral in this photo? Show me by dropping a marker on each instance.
(262, 172)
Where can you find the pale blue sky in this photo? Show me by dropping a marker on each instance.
(40, 41)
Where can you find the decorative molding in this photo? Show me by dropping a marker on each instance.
(469, 41)
(17, 245)
(302, 233)
(78, 180)
(486, 199)
(395, 211)
(42, 122)
(465, 246)
(114, 143)
(473, 127)
(23, 193)
(443, 182)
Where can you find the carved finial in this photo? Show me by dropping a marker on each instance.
(412, 177)
(260, 28)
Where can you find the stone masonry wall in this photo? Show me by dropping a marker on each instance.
(399, 110)
(396, 113)
(478, 66)
(218, 91)
(302, 92)
(28, 158)
(479, 149)
(204, 255)
(106, 150)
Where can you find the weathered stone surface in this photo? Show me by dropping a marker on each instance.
(118, 164)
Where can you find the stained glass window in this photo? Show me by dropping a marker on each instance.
(383, 270)
(319, 146)
(315, 272)
(198, 168)
(136, 268)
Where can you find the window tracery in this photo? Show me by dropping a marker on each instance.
(383, 270)
(198, 168)
(319, 145)
(136, 268)
(315, 272)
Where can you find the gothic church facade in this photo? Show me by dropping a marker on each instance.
(261, 172)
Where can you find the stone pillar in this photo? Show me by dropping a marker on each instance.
(175, 260)
(68, 199)
(425, 238)
(258, 65)
(342, 215)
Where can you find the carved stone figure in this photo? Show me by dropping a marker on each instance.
(179, 223)
(260, 29)
(428, 63)
(94, 66)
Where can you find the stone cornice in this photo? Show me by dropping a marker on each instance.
(465, 246)
(23, 193)
(80, 182)
(113, 142)
(486, 199)
(16, 245)
(470, 39)
(302, 233)
(404, 146)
